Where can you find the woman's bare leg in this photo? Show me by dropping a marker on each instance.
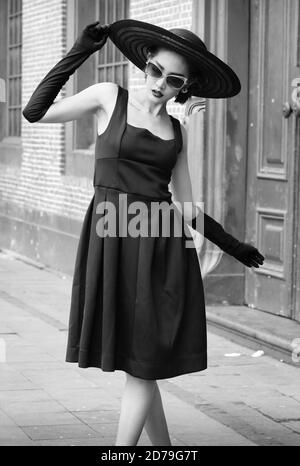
(136, 401)
(156, 424)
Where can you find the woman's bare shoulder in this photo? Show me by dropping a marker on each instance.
(106, 94)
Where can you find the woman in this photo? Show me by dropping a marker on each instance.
(137, 301)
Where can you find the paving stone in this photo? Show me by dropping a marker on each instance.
(87, 399)
(5, 420)
(73, 442)
(4, 329)
(29, 325)
(291, 390)
(35, 407)
(12, 433)
(24, 396)
(26, 353)
(15, 340)
(211, 440)
(59, 432)
(16, 443)
(57, 340)
(103, 416)
(17, 382)
(37, 365)
(63, 378)
(201, 429)
(44, 419)
(251, 423)
(104, 428)
(277, 408)
(295, 426)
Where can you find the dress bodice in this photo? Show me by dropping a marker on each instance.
(133, 159)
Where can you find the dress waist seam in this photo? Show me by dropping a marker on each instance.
(122, 160)
(133, 193)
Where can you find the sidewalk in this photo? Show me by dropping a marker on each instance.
(238, 400)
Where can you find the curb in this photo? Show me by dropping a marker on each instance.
(275, 346)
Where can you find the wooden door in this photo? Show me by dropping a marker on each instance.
(273, 154)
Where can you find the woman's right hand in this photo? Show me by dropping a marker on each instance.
(93, 36)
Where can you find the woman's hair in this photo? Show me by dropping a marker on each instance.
(182, 97)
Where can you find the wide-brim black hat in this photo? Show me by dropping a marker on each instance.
(133, 38)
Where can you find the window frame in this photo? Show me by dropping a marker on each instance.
(10, 146)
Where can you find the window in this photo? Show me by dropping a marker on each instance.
(14, 67)
(108, 64)
(11, 67)
(112, 65)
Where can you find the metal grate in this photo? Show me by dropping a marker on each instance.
(14, 67)
(112, 64)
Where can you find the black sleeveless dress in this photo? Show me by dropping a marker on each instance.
(137, 303)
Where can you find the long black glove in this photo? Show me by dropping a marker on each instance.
(243, 252)
(92, 38)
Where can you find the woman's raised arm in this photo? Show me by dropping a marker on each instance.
(92, 38)
(74, 107)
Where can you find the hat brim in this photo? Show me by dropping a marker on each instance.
(133, 38)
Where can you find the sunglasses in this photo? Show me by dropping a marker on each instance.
(173, 80)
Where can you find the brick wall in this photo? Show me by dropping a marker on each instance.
(43, 144)
(41, 182)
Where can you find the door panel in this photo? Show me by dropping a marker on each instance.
(271, 154)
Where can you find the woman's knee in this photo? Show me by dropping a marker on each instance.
(139, 380)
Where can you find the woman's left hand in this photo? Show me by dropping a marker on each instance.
(248, 255)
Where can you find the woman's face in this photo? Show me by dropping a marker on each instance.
(168, 62)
